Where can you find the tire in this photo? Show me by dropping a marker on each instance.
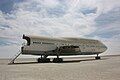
(44, 60)
(39, 60)
(97, 58)
(57, 60)
(47, 60)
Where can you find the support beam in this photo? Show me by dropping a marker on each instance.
(15, 57)
(97, 57)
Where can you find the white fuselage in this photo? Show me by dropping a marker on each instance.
(67, 46)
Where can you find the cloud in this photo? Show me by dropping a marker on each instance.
(80, 18)
(109, 17)
(45, 18)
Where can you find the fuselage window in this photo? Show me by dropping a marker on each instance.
(46, 43)
(76, 46)
(36, 42)
(42, 43)
(92, 46)
(63, 47)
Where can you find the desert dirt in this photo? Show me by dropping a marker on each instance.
(108, 68)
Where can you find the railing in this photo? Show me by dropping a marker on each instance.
(15, 57)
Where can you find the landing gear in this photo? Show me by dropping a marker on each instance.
(57, 60)
(97, 57)
(43, 59)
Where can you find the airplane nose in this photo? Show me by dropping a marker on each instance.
(105, 47)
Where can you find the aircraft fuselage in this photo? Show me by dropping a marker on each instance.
(63, 46)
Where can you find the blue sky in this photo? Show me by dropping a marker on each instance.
(96, 19)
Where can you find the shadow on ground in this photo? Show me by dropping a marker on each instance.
(66, 61)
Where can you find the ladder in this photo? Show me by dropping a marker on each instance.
(15, 57)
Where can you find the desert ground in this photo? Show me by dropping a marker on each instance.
(80, 68)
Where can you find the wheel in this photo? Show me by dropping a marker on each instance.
(44, 60)
(47, 60)
(97, 57)
(39, 60)
(57, 60)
